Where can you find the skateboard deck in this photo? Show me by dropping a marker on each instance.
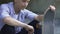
(48, 22)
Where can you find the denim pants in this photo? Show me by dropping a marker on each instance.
(7, 29)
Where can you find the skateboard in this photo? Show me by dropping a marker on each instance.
(48, 22)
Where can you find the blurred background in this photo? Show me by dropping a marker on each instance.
(38, 7)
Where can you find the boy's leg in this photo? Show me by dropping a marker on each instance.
(23, 31)
(8, 29)
(36, 30)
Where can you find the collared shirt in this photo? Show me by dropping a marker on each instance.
(8, 10)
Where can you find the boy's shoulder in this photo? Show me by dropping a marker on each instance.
(26, 10)
(6, 4)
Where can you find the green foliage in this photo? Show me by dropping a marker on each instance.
(5, 1)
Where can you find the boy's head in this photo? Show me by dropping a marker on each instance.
(22, 3)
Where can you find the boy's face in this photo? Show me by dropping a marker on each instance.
(22, 3)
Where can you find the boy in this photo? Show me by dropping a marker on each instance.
(14, 14)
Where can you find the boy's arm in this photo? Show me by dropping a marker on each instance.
(13, 22)
(40, 17)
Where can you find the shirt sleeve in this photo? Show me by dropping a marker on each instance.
(31, 15)
(4, 11)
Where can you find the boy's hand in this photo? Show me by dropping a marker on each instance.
(52, 7)
(30, 29)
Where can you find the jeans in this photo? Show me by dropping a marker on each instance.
(7, 29)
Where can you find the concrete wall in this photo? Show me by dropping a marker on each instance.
(39, 6)
(57, 18)
(57, 9)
